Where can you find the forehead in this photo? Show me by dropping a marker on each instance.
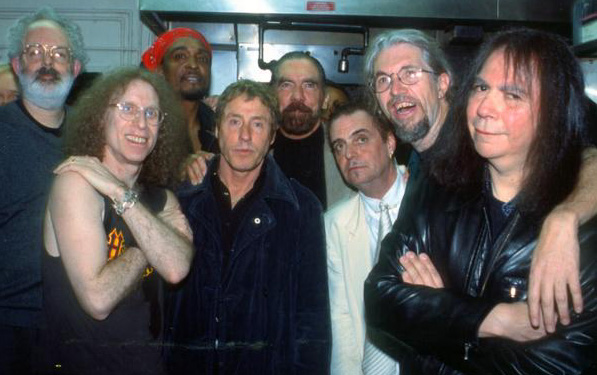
(46, 32)
(187, 44)
(397, 56)
(299, 69)
(346, 125)
(140, 90)
(499, 69)
(242, 105)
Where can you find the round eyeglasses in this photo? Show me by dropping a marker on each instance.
(36, 52)
(130, 112)
(407, 75)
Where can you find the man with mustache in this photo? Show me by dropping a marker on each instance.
(183, 56)
(299, 80)
(411, 82)
(46, 52)
(363, 145)
(255, 300)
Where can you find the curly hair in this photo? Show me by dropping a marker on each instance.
(17, 32)
(252, 90)
(86, 122)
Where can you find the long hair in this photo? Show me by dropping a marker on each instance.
(86, 123)
(17, 32)
(554, 158)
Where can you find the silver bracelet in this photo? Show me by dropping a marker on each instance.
(128, 200)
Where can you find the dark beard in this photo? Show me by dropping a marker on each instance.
(410, 135)
(298, 119)
(197, 94)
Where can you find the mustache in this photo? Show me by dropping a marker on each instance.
(47, 71)
(402, 98)
(297, 106)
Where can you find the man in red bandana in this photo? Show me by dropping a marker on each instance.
(183, 57)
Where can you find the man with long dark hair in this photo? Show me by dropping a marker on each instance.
(412, 84)
(449, 293)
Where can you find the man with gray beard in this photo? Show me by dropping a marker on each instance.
(299, 81)
(46, 52)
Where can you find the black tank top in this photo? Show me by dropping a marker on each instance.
(127, 341)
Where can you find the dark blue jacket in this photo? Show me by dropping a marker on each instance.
(269, 312)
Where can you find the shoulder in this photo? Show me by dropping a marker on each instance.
(72, 190)
(342, 209)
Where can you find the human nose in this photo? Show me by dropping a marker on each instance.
(396, 85)
(349, 151)
(245, 132)
(298, 94)
(485, 105)
(46, 57)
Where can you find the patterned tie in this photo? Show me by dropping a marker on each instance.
(376, 362)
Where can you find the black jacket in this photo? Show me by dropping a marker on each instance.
(268, 311)
(434, 331)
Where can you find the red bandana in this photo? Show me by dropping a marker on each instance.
(152, 58)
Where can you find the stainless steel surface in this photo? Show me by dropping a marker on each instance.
(367, 11)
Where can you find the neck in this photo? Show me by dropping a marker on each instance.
(505, 182)
(190, 108)
(424, 143)
(124, 172)
(239, 183)
(48, 118)
(379, 188)
(301, 136)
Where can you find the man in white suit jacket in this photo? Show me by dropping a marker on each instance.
(363, 147)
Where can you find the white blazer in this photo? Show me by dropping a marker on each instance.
(349, 263)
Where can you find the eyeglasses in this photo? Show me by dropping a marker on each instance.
(407, 75)
(36, 52)
(129, 112)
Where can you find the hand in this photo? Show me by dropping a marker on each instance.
(196, 166)
(211, 101)
(511, 321)
(419, 270)
(95, 173)
(554, 270)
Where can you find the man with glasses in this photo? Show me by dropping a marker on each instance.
(112, 228)
(46, 53)
(411, 82)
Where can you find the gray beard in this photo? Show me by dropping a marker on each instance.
(414, 134)
(46, 96)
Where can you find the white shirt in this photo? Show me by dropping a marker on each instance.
(393, 198)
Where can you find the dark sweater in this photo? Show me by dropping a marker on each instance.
(28, 154)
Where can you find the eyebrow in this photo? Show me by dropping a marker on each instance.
(410, 66)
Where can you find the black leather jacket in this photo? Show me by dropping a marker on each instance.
(434, 331)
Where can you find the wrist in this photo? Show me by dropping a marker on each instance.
(127, 200)
(563, 215)
(492, 324)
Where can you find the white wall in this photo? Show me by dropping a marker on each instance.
(112, 30)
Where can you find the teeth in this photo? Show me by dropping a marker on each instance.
(134, 139)
(192, 79)
(404, 105)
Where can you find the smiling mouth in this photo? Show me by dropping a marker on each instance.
(137, 140)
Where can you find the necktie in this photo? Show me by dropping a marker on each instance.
(376, 362)
(385, 226)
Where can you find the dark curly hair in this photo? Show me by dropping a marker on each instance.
(85, 134)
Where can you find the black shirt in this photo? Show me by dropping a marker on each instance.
(302, 159)
(231, 217)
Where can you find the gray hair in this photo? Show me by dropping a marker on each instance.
(19, 29)
(432, 53)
